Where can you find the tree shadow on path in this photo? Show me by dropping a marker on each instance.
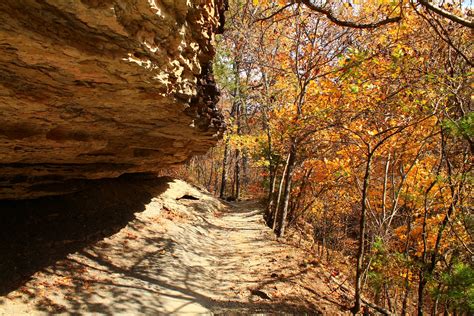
(135, 271)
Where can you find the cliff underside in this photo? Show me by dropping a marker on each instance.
(95, 89)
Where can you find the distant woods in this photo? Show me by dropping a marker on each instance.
(365, 135)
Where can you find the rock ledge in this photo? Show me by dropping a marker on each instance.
(93, 89)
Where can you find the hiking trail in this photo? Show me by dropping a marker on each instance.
(187, 252)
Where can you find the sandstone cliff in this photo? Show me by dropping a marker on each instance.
(95, 89)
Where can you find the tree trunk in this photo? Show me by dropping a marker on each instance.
(272, 170)
(269, 212)
(278, 200)
(211, 175)
(297, 203)
(233, 113)
(224, 168)
(245, 170)
(216, 179)
(287, 190)
(387, 296)
(362, 220)
(407, 279)
(237, 181)
(237, 175)
(405, 299)
(421, 288)
(434, 312)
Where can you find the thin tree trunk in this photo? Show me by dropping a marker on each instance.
(324, 230)
(233, 113)
(384, 193)
(297, 204)
(436, 302)
(360, 253)
(224, 168)
(389, 300)
(237, 181)
(405, 297)
(287, 190)
(407, 279)
(272, 170)
(237, 113)
(426, 270)
(421, 288)
(269, 213)
(280, 191)
(422, 273)
(211, 175)
(237, 175)
(216, 179)
(245, 170)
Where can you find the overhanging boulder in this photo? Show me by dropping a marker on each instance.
(94, 89)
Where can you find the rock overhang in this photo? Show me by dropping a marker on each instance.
(95, 89)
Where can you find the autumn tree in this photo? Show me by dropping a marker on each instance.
(355, 117)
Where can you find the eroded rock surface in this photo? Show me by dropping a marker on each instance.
(94, 89)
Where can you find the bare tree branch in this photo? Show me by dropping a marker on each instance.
(446, 14)
(328, 13)
(446, 38)
(274, 13)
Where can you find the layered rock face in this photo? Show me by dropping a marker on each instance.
(95, 89)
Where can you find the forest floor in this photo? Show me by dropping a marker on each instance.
(185, 252)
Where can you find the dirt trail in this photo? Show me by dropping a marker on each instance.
(186, 253)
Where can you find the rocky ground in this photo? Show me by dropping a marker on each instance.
(182, 252)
